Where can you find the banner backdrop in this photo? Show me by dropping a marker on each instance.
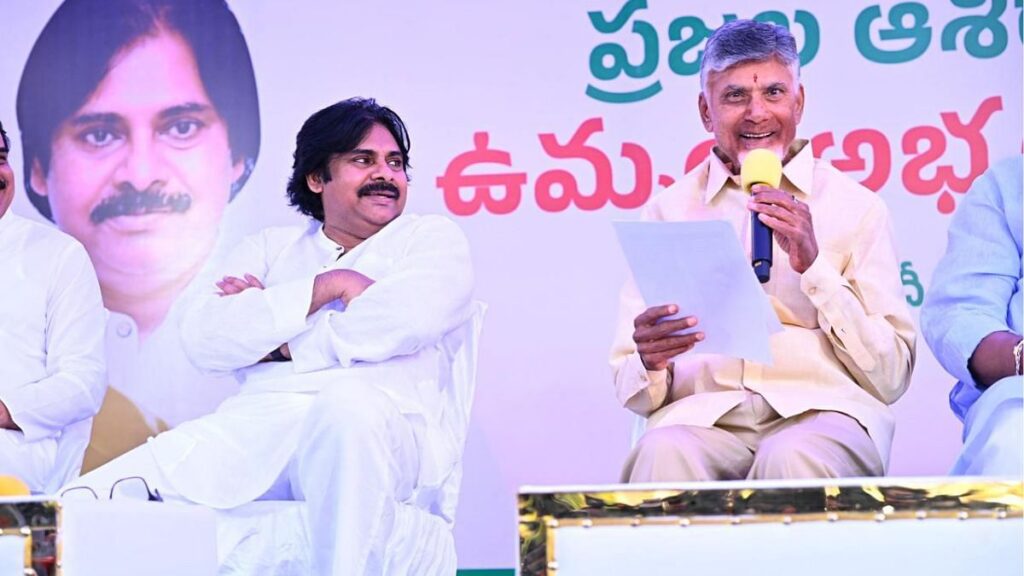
(534, 124)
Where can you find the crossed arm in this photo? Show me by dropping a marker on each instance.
(344, 285)
(421, 295)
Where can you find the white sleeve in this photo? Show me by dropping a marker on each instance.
(75, 365)
(225, 333)
(426, 295)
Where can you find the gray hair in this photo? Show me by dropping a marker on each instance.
(742, 41)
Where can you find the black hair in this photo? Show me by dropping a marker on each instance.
(73, 53)
(4, 138)
(337, 129)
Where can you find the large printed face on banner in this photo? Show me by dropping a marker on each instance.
(752, 105)
(368, 186)
(139, 121)
(142, 171)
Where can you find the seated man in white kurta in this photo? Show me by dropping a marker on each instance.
(335, 333)
(52, 375)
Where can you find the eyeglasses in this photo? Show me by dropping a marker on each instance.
(130, 488)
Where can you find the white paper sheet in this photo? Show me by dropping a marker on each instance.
(700, 267)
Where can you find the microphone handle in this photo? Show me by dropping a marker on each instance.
(760, 248)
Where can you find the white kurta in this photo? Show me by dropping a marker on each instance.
(52, 375)
(388, 337)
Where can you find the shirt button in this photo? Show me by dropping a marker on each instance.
(812, 290)
(124, 329)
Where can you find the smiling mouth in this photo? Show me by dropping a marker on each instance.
(756, 135)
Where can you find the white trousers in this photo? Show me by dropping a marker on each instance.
(31, 462)
(356, 468)
(994, 432)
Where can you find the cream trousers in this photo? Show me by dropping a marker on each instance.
(753, 441)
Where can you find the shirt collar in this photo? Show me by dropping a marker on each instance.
(324, 243)
(798, 170)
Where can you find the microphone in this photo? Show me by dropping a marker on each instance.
(760, 166)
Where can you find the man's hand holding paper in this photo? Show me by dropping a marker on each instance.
(659, 337)
(701, 265)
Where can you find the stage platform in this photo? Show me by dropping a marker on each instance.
(105, 538)
(876, 526)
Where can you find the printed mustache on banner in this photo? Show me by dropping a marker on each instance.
(130, 201)
(375, 188)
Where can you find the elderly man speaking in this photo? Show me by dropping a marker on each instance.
(847, 347)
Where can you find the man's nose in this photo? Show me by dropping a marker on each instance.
(142, 165)
(757, 109)
(381, 171)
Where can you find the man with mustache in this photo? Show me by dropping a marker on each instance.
(51, 346)
(140, 123)
(341, 334)
(846, 351)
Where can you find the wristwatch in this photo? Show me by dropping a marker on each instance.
(277, 356)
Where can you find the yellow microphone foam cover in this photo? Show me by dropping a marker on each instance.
(761, 166)
(12, 486)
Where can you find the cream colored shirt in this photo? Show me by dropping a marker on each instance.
(848, 340)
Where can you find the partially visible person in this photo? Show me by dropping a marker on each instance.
(846, 351)
(337, 330)
(971, 319)
(140, 122)
(51, 346)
